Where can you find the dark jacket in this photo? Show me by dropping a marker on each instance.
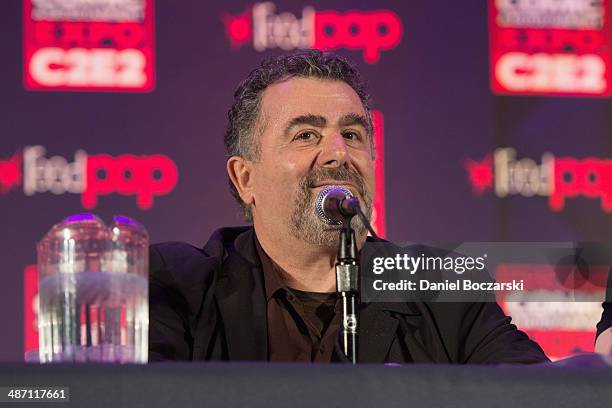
(209, 304)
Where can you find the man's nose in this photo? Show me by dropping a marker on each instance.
(334, 151)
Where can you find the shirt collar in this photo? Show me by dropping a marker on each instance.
(273, 281)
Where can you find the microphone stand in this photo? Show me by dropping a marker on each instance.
(347, 272)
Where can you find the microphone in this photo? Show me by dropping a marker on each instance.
(335, 203)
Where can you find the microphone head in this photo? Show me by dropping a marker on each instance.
(328, 203)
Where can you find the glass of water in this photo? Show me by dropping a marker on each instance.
(93, 291)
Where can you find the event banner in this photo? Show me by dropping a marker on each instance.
(544, 47)
(96, 46)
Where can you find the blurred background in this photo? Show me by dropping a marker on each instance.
(493, 123)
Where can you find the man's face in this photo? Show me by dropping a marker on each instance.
(314, 134)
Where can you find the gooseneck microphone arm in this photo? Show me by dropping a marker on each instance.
(366, 223)
(347, 274)
(336, 205)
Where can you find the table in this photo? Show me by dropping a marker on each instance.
(584, 382)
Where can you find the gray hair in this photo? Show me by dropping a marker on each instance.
(242, 134)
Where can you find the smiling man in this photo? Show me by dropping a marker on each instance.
(313, 132)
(268, 291)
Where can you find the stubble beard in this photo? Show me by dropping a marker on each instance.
(306, 226)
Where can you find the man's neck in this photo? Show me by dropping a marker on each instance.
(308, 267)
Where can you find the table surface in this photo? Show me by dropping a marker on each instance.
(584, 381)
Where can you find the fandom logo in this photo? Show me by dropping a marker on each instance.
(371, 31)
(557, 178)
(90, 175)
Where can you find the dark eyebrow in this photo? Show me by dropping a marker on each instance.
(354, 119)
(312, 120)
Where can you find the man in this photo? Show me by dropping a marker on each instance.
(267, 292)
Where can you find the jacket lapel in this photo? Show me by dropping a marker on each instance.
(378, 329)
(241, 301)
(240, 297)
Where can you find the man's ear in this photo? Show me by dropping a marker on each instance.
(240, 173)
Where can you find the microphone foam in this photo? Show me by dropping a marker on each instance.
(323, 203)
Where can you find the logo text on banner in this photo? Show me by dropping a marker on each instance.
(84, 45)
(543, 47)
(369, 31)
(90, 175)
(557, 178)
